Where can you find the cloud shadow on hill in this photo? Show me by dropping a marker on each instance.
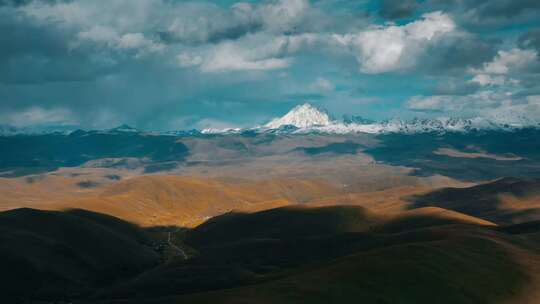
(78, 254)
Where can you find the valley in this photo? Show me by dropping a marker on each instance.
(265, 217)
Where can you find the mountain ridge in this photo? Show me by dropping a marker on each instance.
(307, 118)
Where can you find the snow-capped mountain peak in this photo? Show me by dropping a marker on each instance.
(302, 116)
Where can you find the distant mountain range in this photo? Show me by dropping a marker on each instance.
(307, 118)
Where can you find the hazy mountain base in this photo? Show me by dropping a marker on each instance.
(514, 154)
(496, 153)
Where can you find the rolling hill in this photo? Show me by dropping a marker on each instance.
(504, 201)
(288, 255)
(158, 200)
(51, 255)
(343, 254)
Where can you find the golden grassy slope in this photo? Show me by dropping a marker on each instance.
(152, 200)
(165, 200)
(159, 200)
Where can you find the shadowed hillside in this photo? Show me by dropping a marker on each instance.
(297, 254)
(282, 223)
(339, 255)
(466, 267)
(61, 255)
(505, 201)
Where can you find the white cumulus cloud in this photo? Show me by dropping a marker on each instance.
(392, 47)
(252, 53)
(506, 61)
(282, 15)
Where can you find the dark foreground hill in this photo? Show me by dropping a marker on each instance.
(338, 254)
(52, 255)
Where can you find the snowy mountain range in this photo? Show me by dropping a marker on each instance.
(307, 118)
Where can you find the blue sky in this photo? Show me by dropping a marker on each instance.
(171, 64)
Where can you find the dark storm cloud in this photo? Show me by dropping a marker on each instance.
(204, 23)
(503, 8)
(458, 53)
(489, 13)
(25, 2)
(227, 32)
(13, 2)
(233, 33)
(33, 53)
(531, 39)
(397, 9)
